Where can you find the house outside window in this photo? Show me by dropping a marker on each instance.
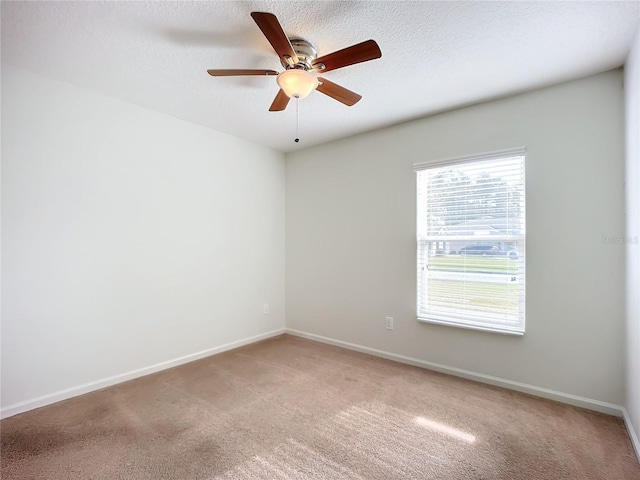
(471, 241)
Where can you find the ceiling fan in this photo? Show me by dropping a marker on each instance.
(300, 59)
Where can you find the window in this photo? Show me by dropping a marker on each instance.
(471, 241)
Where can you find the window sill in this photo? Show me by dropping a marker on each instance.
(503, 331)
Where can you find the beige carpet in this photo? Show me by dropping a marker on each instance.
(289, 408)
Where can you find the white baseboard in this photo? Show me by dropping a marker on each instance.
(562, 397)
(48, 399)
(632, 432)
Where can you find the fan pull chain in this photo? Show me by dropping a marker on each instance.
(297, 139)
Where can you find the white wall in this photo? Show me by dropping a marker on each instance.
(632, 97)
(129, 238)
(351, 238)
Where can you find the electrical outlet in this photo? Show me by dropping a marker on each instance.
(389, 323)
(265, 309)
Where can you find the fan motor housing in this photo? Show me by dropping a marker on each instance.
(305, 51)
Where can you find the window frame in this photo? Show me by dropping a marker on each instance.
(464, 320)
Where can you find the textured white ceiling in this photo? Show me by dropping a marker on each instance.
(435, 56)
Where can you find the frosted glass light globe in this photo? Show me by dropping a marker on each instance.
(297, 83)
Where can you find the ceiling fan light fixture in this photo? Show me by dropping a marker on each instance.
(300, 59)
(297, 83)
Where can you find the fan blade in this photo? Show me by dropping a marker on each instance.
(337, 92)
(280, 102)
(362, 52)
(231, 73)
(271, 28)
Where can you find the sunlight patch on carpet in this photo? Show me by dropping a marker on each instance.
(442, 428)
(388, 438)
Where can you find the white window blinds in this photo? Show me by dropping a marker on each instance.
(471, 241)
